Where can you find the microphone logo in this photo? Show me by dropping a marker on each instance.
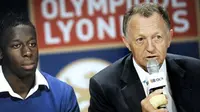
(156, 80)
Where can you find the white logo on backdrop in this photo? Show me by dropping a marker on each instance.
(78, 73)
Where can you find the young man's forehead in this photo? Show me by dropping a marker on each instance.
(18, 32)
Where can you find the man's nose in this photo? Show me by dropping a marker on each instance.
(26, 51)
(150, 46)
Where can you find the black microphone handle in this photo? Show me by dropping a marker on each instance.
(153, 89)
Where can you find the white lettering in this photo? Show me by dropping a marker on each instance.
(136, 2)
(128, 4)
(179, 4)
(90, 30)
(104, 27)
(65, 29)
(63, 12)
(44, 8)
(100, 5)
(147, 1)
(178, 20)
(121, 25)
(49, 40)
(77, 5)
(114, 4)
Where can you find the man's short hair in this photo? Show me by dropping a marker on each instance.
(12, 19)
(146, 10)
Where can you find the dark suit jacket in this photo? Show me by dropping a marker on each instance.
(117, 88)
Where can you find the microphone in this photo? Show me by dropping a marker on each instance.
(152, 66)
(156, 79)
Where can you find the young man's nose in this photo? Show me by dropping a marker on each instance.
(26, 51)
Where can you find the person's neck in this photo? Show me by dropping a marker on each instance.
(21, 86)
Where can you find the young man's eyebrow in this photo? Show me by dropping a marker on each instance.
(15, 40)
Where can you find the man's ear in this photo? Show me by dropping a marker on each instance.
(171, 33)
(125, 40)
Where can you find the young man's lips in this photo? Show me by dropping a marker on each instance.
(29, 66)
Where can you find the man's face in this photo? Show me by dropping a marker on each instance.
(148, 38)
(20, 51)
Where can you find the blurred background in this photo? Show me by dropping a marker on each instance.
(78, 38)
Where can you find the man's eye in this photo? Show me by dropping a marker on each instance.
(139, 40)
(32, 44)
(16, 46)
(158, 37)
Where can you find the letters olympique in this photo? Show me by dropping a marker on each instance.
(79, 22)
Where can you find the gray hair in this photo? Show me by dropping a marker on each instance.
(146, 10)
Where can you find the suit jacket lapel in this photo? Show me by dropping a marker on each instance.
(132, 89)
(179, 86)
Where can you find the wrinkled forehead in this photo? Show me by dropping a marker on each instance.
(138, 22)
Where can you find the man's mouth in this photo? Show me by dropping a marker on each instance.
(150, 57)
(28, 66)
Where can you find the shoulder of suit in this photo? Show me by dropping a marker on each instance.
(184, 60)
(182, 57)
(113, 71)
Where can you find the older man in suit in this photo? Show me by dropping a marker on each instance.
(120, 87)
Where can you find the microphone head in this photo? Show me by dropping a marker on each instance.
(153, 66)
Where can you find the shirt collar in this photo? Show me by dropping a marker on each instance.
(140, 71)
(143, 74)
(39, 80)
